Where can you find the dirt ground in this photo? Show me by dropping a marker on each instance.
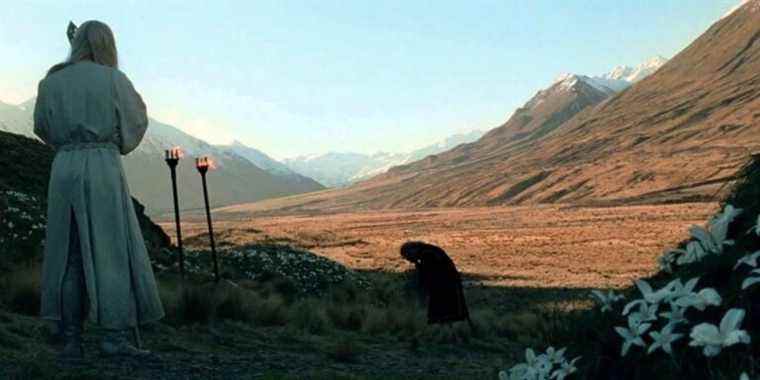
(544, 246)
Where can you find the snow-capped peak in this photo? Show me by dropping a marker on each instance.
(566, 82)
(635, 74)
(620, 78)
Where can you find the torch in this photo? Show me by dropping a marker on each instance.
(203, 164)
(172, 159)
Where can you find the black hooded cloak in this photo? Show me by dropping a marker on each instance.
(439, 279)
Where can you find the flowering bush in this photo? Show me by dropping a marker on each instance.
(308, 272)
(22, 227)
(693, 310)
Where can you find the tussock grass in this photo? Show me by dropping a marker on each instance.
(272, 311)
(346, 317)
(21, 290)
(382, 310)
(345, 324)
(346, 351)
(309, 316)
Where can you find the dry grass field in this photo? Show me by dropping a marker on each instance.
(543, 246)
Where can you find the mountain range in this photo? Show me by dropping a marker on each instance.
(237, 179)
(338, 169)
(341, 169)
(679, 134)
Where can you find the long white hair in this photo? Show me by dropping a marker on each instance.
(93, 41)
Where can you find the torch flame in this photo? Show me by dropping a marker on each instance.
(205, 162)
(177, 152)
(174, 154)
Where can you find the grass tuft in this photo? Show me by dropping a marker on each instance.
(21, 290)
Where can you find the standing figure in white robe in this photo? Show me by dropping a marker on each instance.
(95, 264)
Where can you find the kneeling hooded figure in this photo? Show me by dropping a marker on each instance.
(438, 277)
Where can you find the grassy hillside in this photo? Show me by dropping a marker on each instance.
(24, 173)
(280, 313)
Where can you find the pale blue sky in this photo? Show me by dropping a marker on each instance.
(305, 77)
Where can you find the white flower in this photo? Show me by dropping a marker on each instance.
(700, 301)
(523, 371)
(681, 290)
(566, 369)
(713, 338)
(606, 300)
(694, 252)
(543, 366)
(667, 260)
(675, 315)
(719, 223)
(663, 339)
(650, 296)
(632, 335)
(750, 260)
(756, 228)
(713, 240)
(749, 281)
(646, 313)
(555, 356)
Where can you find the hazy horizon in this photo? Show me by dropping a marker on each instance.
(313, 78)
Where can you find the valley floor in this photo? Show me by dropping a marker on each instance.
(520, 264)
(544, 246)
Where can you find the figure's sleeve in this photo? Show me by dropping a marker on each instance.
(41, 126)
(132, 117)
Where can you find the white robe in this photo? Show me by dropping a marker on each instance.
(91, 115)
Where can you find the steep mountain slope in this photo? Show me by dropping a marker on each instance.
(676, 135)
(236, 180)
(340, 169)
(547, 110)
(670, 137)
